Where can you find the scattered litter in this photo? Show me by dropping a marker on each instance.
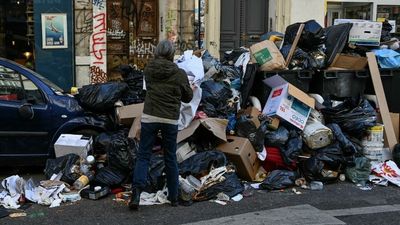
(296, 191)
(16, 215)
(237, 198)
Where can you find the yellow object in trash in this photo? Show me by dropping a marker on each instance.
(275, 38)
(74, 90)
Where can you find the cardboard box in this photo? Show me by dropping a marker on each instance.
(134, 132)
(127, 113)
(363, 32)
(288, 102)
(73, 143)
(348, 62)
(241, 153)
(214, 125)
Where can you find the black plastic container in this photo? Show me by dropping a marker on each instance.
(391, 85)
(340, 83)
(298, 78)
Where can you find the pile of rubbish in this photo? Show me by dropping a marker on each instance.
(227, 135)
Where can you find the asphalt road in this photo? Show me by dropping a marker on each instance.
(343, 202)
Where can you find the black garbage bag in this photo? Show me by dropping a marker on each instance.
(109, 177)
(300, 60)
(156, 177)
(331, 155)
(230, 72)
(248, 82)
(214, 99)
(209, 61)
(326, 159)
(312, 36)
(134, 78)
(101, 97)
(200, 163)
(312, 168)
(353, 116)
(231, 186)
(245, 127)
(279, 179)
(122, 151)
(101, 143)
(336, 40)
(359, 174)
(292, 149)
(67, 164)
(231, 57)
(347, 146)
(277, 138)
(396, 154)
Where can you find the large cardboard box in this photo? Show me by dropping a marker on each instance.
(214, 125)
(348, 62)
(127, 113)
(72, 143)
(363, 32)
(288, 102)
(241, 153)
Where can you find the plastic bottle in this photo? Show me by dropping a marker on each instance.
(81, 182)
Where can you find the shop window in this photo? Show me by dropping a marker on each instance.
(391, 13)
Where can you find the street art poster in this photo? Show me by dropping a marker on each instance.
(54, 30)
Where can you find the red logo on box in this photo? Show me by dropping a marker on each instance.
(277, 92)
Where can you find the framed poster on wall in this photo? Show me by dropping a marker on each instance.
(54, 30)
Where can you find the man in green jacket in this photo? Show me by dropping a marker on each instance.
(166, 86)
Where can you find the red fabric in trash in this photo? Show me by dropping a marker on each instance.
(274, 160)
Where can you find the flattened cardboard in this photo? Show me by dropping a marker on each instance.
(380, 94)
(127, 113)
(241, 153)
(134, 132)
(348, 62)
(215, 125)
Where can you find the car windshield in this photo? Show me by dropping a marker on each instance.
(52, 85)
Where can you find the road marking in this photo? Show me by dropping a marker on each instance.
(363, 210)
(300, 214)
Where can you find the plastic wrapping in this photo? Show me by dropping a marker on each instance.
(134, 78)
(67, 164)
(200, 163)
(231, 186)
(359, 174)
(122, 151)
(292, 149)
(354, 117)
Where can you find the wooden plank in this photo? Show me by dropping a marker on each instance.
(380, 95)
(294, 45)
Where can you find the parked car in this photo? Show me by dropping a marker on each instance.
(34, 112)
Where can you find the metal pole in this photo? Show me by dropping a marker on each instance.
(199, 28)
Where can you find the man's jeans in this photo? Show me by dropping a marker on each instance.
(148, 135)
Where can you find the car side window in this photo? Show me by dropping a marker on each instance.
(16, 87)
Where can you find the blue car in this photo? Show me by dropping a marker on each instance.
(34, 112)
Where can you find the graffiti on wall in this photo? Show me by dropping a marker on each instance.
(98, 43)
